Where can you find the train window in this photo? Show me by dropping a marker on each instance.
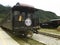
(16, 12)
(23, 15)
(8, 18)
(29, 15)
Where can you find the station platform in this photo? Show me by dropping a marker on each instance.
(5, 39)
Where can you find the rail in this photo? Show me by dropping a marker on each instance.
(51, 35)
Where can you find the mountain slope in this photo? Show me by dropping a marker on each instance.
(43, 15)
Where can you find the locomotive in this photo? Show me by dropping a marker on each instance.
(21, 20)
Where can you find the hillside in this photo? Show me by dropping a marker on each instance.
(4, 10)
(43, 15)
(59, 16)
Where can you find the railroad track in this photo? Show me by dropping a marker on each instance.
(24, 41)
(51, 35)
(36, 39)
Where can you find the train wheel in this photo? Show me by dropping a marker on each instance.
(29, 34)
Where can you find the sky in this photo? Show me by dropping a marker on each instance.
(47, 5)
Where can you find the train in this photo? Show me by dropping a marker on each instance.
(53, 23)
(21, 20)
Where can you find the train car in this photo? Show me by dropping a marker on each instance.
(21, 20)
(54, 23)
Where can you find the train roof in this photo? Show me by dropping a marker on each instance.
(24, 7)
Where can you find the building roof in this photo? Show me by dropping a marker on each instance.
(54, 19)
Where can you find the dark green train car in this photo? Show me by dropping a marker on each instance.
(54, 23)
(21, 20)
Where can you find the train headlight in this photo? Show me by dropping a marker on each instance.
(28, 22)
